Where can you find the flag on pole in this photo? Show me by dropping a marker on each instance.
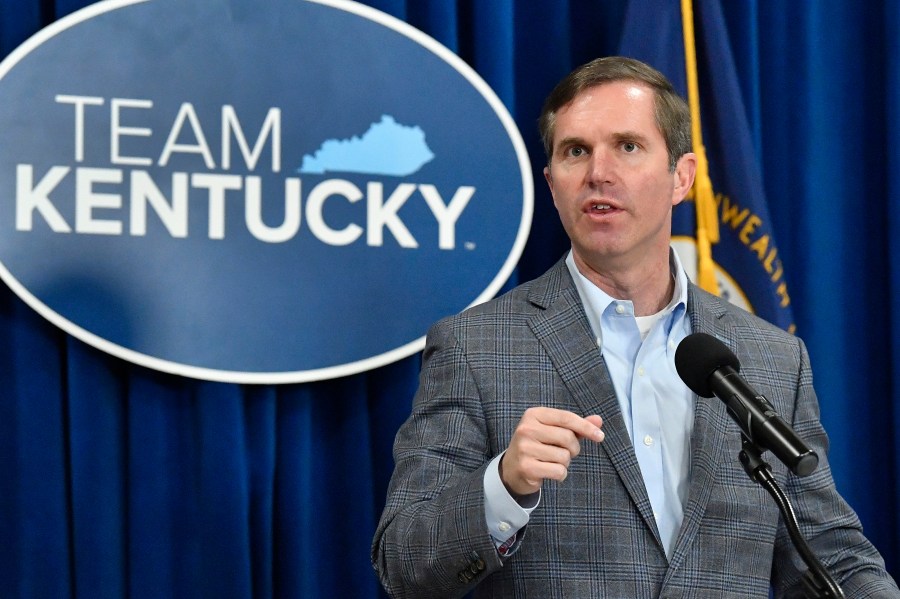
(722, 232)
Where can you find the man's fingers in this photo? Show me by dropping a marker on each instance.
(541, 452)
(586, 428)
(550, 436)
(536, 471)
(543, 446)
(598, 422)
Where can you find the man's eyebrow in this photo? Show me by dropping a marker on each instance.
(630, 136)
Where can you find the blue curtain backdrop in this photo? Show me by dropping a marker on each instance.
(120, 481)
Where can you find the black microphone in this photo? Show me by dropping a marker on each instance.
(708, 367)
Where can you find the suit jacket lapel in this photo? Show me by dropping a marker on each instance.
(708, 447)
(563, 330)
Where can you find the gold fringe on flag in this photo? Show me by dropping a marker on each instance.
(704, 201)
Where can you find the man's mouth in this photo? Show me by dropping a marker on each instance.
(600, 207)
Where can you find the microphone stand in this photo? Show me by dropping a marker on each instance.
(817, 582)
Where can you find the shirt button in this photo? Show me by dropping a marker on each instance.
(648, 440)
(503, 526)
(640, 371)
(671, 345)
(620, 309)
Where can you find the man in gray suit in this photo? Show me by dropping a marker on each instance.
(553, 451)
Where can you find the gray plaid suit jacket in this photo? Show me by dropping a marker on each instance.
(594, 534)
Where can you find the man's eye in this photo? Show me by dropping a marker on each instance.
(629, 146)
(576, 152)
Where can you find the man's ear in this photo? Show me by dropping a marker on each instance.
(548, 176)
(685, 171)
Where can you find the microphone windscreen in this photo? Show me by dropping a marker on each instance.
(698, 356)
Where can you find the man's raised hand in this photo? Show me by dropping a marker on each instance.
(543, 445)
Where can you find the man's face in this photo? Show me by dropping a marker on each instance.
(610, 179)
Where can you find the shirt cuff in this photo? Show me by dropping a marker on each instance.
(505, 515)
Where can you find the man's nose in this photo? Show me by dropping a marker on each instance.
(601, 168)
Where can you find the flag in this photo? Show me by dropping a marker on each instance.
(723, 229)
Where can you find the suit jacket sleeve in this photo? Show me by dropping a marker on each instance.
(830, 526)
(433, 540)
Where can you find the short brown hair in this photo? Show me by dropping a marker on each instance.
(673, 117)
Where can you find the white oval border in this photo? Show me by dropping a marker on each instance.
(299, 376)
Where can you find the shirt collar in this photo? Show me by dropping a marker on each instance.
(596, 301)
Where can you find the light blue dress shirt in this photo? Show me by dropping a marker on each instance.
(657, 406)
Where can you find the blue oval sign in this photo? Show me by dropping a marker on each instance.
(260, 192)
